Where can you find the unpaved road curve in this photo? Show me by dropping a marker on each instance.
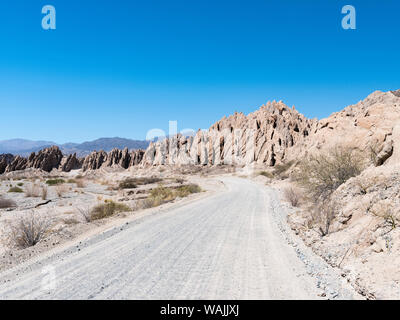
(226, 246)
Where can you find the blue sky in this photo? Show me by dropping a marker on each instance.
(121, 68)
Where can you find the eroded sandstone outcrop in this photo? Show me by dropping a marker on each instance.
(46, 160)
(5, 160)
(115, 158)
(264, 136)
(71, 162)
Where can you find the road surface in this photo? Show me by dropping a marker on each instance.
(226, 246)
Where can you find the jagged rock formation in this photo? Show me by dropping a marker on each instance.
(367, 126)
(271, 135)
(5, 160)
(122, 158)
(264, 137)
(71, 163)
(46, 160)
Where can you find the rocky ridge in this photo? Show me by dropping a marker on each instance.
(272, 135)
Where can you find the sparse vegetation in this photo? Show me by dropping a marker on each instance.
(61, 190)
(322, 174)
(80, 183)
(44, 192)
(163, 194)
(322, 216)
(280, 169)
(131, 183)
(33, 190)
(29, 230)
(7, 203)
(108, 209)
(293, 196)
(266, 174)
(15, 190)
(386, 210)
(85, 213)
(55, 182)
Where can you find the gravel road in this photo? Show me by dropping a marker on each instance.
(231, 245)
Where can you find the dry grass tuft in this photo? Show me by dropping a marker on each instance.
(293, 196)
(33, 191)
(7, 203)
(108, 209)
(29, 230)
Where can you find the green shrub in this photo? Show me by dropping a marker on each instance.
(108, 209)
(15, 190)
(131, 183)
(20, 184)
(54, 182)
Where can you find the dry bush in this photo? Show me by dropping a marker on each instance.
(388, 211)
(85, 213)
(323, 173)
(29, 230)
(55, 182)
(15, 190)
(322, 216)
(61, 190)
(33, 190)
(293, 196)
(131, 183)
(108, 209)
(80, 183)
(280, 169)
(44, 192)
(266, 174)
(7, 203)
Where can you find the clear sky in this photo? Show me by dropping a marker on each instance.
(120, 68)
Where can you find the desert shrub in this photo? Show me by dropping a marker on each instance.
(128, 184)
(20, 184)
(266, 174)
(44, 192)
(33, 190)
(323, 173)
(15, 190)
(29, 230)
(71, 181)
(280, 169)
(184, 191)
(322, 216)
(61, 190)
(85, 213)
(131, 183)
(163, 194)
(293, 196)
(55, 182)
(108, 209)
(7, 203)
(386, 210)
(80, 183)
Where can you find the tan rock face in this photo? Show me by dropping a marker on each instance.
(271, 135)
(46, 160)
(71, 163)
(5, 160)
(121, 158)
(264, 136)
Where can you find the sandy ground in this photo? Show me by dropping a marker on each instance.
(232, 243)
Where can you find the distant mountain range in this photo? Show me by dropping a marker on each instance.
(24, 147)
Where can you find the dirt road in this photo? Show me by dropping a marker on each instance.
(231, 245)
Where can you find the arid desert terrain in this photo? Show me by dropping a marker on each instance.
(270, 205)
